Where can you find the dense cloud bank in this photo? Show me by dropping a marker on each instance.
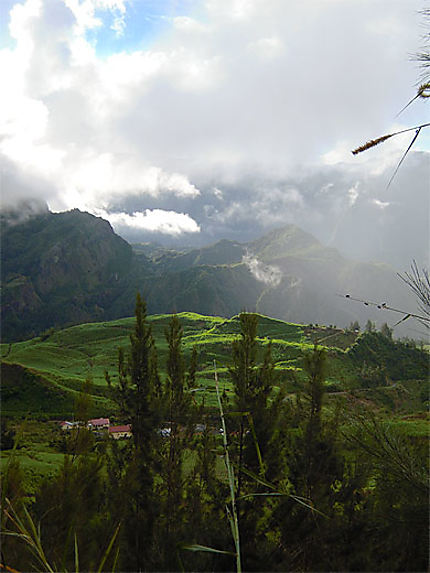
(361, 218)
(238, 118)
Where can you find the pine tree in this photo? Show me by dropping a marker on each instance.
(178, 406)
(81, 440)
(242, 373)
(192, 369)
(315, 471)
(70, 505)
(354, 326)
(256, 401)
(136, 395)
(315, 367)
(386, 331)
(178, 403)
(259, 448)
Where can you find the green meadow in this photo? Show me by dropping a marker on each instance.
(64, 359)
(42, 377)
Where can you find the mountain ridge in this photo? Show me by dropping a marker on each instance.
(66, 268)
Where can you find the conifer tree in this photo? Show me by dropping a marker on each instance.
(242, 373)
(80, 441)
(178, 404)
(136, 395)
(192, 369)
(386, 331)
(315, 367)
(259, 449)
(256, 401)
(315, 471)
(68, 504)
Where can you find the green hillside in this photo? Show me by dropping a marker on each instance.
(57, 364)
(65, 358)
(42, 379)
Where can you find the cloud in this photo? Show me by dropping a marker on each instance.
(154, 221)
(267, 48)
(18, 185)
(100, 179)
(270, 275)
(353, 195)
(85, 13)
(381, 204)
(240, 116)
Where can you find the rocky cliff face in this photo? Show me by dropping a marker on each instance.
(59, 268)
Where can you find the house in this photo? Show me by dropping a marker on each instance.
(119, 432)
(98, 424)
(67, 426)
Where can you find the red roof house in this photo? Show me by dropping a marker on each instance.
(99, 424)
(118, 432)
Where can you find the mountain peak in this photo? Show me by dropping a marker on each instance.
(289, 239)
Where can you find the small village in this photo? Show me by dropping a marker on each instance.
(100, 427)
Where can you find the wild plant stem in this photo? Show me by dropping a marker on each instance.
(230, 473)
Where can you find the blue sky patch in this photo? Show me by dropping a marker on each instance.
(145, 22)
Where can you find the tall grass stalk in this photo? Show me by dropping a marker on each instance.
(27, 531)
(232, 510)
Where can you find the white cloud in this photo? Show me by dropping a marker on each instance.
(232, 9)
(187, 24)
(218, 193)
(292, 195)
(381, 204)
(99, 180)
(157, 220)
(85, 12)
(267, 48)
(250, 97)
(326, 188)
(353, 195)
(270, 275)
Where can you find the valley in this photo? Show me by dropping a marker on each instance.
(87, 273)
(43, 377)
(249, 352)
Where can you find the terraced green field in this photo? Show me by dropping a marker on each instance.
(42, 377)
(67, 357)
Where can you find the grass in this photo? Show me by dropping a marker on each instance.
(413, 428)
(35, 464)
(232, 510)
(35, 451)
(42, 378)
(25, 529)
(59, 363)
(64, 359)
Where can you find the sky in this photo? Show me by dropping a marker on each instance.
(187, 121)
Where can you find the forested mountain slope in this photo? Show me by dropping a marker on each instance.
(67, 268)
